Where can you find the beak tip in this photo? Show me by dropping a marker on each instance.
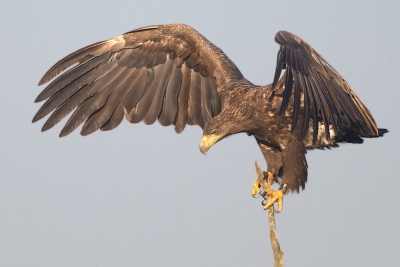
(206, 142)
(203, 150)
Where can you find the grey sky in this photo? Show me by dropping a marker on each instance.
(145, 196)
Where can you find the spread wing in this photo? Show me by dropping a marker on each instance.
(167, 72)
(320, 92)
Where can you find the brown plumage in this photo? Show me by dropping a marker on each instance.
(173, 74)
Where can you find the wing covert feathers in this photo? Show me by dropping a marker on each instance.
(324, 94)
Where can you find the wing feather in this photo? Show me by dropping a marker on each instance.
(330, 97)
(320, 111)
(183, 100)
(166, 72)
(170, 105)
(158, 97)
(83, 82)
(195, 100)
(70, 102)
(306, 117)
(206, 111)
(115, 119)
(314, 111)
(215, 103)
(288, 91)
(103, 115)
(72, 75)
(92, 104)
(296, 106)
(153, 79)
(138, 85)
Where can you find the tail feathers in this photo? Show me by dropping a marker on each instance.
(382, 131)
(348, 135)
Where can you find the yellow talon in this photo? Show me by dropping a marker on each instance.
(277, 196)
(256, 190)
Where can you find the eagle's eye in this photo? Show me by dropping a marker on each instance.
(215, 131)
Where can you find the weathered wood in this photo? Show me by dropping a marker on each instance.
(266, 183)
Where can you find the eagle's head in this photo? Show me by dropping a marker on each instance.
(219, 127)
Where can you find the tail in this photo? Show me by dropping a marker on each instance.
(349, 135)
(381, 132)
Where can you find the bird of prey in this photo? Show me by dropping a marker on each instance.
(172, 74)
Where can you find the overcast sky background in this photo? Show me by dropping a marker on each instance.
(145, 196)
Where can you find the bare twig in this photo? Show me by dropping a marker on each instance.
(266, 183)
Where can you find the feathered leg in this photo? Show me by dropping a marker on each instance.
(273, 157)
(288, 163)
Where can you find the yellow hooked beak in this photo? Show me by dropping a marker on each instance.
(207, 141)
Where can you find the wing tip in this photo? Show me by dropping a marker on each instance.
(63, 133)
(38, 116)
(39, 98)
(34, 119)
(46, 127)
(43, 80)
(88, 129)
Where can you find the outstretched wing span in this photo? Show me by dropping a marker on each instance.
(167, 72)
(320, 92)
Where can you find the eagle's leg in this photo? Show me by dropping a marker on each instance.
(273, 157)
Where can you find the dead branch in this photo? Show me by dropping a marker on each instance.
(266, 184)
